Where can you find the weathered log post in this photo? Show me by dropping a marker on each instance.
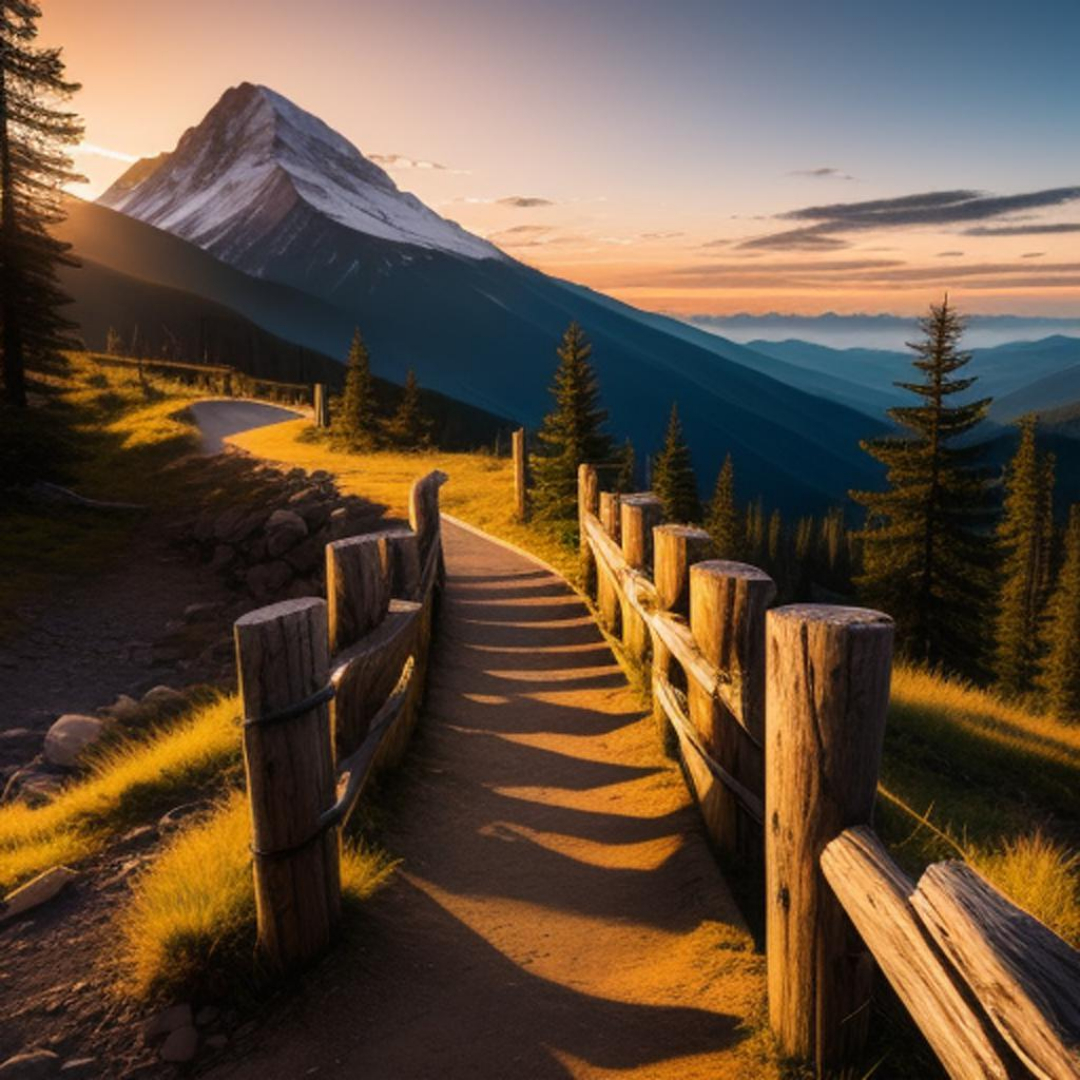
(607, 598)
(588, 496)
(728, 601)
(283, 663)
(321, 402)
(521, 466)
(827, 692)
(638, 516)
(358, 578)
(424, 516)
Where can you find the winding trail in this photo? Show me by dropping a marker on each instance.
(557, 912)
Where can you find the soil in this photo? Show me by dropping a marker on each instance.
(557, 912)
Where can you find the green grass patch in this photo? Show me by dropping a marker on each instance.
(124, 782)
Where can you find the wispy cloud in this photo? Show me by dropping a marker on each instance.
(824, 172)
(811, 238)
(1033, 255)
(523, 202)
(93, 150)
(1024, 230)
(403, 161)
(949, 254)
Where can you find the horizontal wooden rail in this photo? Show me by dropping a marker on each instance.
(319, 724)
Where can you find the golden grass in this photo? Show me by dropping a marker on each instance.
(191, 916)
(480, 490)
(123, 780)
(968, 774)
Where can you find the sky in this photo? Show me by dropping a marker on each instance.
(694, 156)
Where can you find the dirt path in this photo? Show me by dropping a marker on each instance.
(557, 912)
(218, 420)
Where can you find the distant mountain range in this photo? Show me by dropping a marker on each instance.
(264, 210)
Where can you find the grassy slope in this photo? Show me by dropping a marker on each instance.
(996, 783)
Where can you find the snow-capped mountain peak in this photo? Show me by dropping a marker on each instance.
(255, 159)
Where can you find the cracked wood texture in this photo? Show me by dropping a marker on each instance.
(283, 658)
(1024, 976)
(876, 895)
(827, 690)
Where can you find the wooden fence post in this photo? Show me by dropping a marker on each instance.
(607, 600)
(588, 485)
(728, 601)
(521, 506)
(638, 515)
(283, 664)
(827, 693)
(675, 549)
(609, 514)
(322, 406)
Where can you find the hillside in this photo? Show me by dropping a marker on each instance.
(475, 324)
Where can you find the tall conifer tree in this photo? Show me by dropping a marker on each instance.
(357, 422)
(572, 433)
(925, 557)
(673, 477)
(1060, 676)
(723, 521)
(1025, 540)
(409, 428)
(33, 172)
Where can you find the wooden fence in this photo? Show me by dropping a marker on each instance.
(780, 717)
(220, 379)
(331, 691)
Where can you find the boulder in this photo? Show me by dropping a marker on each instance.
(307, 556)
(71, 736)
(125, 710)
(164, 701)
(320, 476)
(180, 1045)
(174, 1018)
(304, 495)
(30, 1065)
(224, 556)
(315, 514)
(284, 530)
(228, 521)
(267, 579)
(34, 893)
(33, 784)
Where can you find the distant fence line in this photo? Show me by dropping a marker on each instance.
(221, 379)
(331, 690)
(780, 719)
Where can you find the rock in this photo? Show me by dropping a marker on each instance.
(124, 709)
(164, 701)
(284, 530)
(204, 527)
(304, 495)
(316, 514)
(320, 476)
(181, 1045)
(217, 1042)
(84, 1066)
(223, 557)
(35, 892)
(205, 612)
(267, 579)
(305, 557)
(17, 734)
(339, 522)
(228, 521)
(174, 1018)
(71, 736)
(30, 1066)
(206, 1015)
(33, 784)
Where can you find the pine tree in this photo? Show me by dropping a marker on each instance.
(357, 421)
(776, 533)
(924, 555)
(754, 548)
(1025, 538)
(409, 428)
(673, 475)
(625, 478)
(723, 520)
(572, 433)
(1060, 676)
(33, 172)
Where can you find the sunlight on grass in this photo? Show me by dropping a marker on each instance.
(191, 916)
(480, 490)
(123, 781)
